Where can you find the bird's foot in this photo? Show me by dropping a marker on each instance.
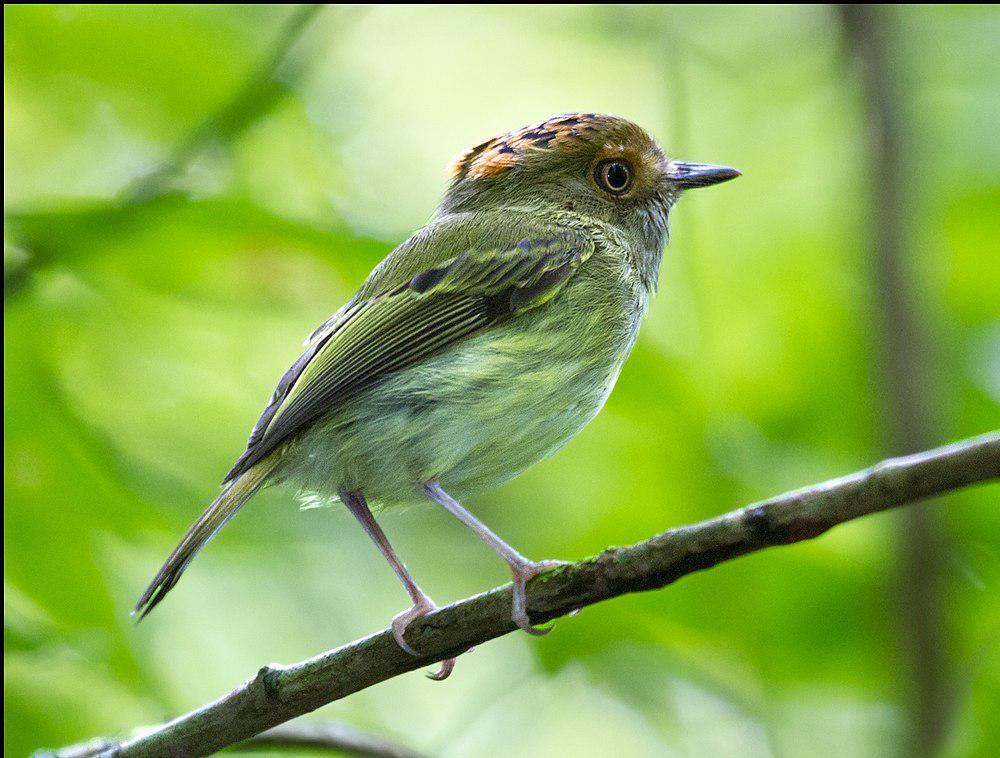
(421, 607)
(447, 666)
(523, 573)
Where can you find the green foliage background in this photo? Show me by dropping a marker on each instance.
(142, 338)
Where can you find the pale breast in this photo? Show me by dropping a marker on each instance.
(485, 410)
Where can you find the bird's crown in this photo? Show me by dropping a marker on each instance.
(595, 165)
(567, 132)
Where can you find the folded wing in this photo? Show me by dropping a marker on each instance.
(370, 339)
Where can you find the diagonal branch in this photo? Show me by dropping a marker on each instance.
(280, 693)
(325, 735)
(267, 83)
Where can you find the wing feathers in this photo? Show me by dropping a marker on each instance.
(368, 340)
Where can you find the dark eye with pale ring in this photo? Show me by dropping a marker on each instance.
(614, 176)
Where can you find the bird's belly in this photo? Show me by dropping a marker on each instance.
(470, 418)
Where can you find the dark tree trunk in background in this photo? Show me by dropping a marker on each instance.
(903, 361)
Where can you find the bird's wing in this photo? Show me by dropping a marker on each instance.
(374, 336)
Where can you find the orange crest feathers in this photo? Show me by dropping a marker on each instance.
(500, 153)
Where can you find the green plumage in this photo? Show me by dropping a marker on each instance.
(409, 317)
(524, 343)
(484, 342)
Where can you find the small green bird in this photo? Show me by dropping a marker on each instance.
(478, 347)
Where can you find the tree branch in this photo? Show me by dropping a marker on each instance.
(318, 735)
(280, 693)
(268, 82)
(326, 735)
(266, 85)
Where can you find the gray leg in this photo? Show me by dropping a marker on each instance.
(422, 604)
(520, 567)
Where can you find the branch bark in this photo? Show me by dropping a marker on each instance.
(277, 693)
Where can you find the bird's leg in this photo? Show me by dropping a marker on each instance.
(522, 569)
(422, 604)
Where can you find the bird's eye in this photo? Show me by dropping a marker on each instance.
(614, 176)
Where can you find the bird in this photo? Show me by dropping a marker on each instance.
(478, 347)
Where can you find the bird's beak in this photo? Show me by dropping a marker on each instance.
(690, 175)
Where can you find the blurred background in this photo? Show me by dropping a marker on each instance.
(189, 190)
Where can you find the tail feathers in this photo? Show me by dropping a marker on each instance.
(223, 508)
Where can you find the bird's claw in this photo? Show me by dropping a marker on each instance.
(523, 573)
(401, 621)
(447, 666)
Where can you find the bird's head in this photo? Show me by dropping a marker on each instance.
(596, 165)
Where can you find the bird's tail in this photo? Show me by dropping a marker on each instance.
(223, 508)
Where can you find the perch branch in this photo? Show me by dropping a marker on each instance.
(277, 693)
